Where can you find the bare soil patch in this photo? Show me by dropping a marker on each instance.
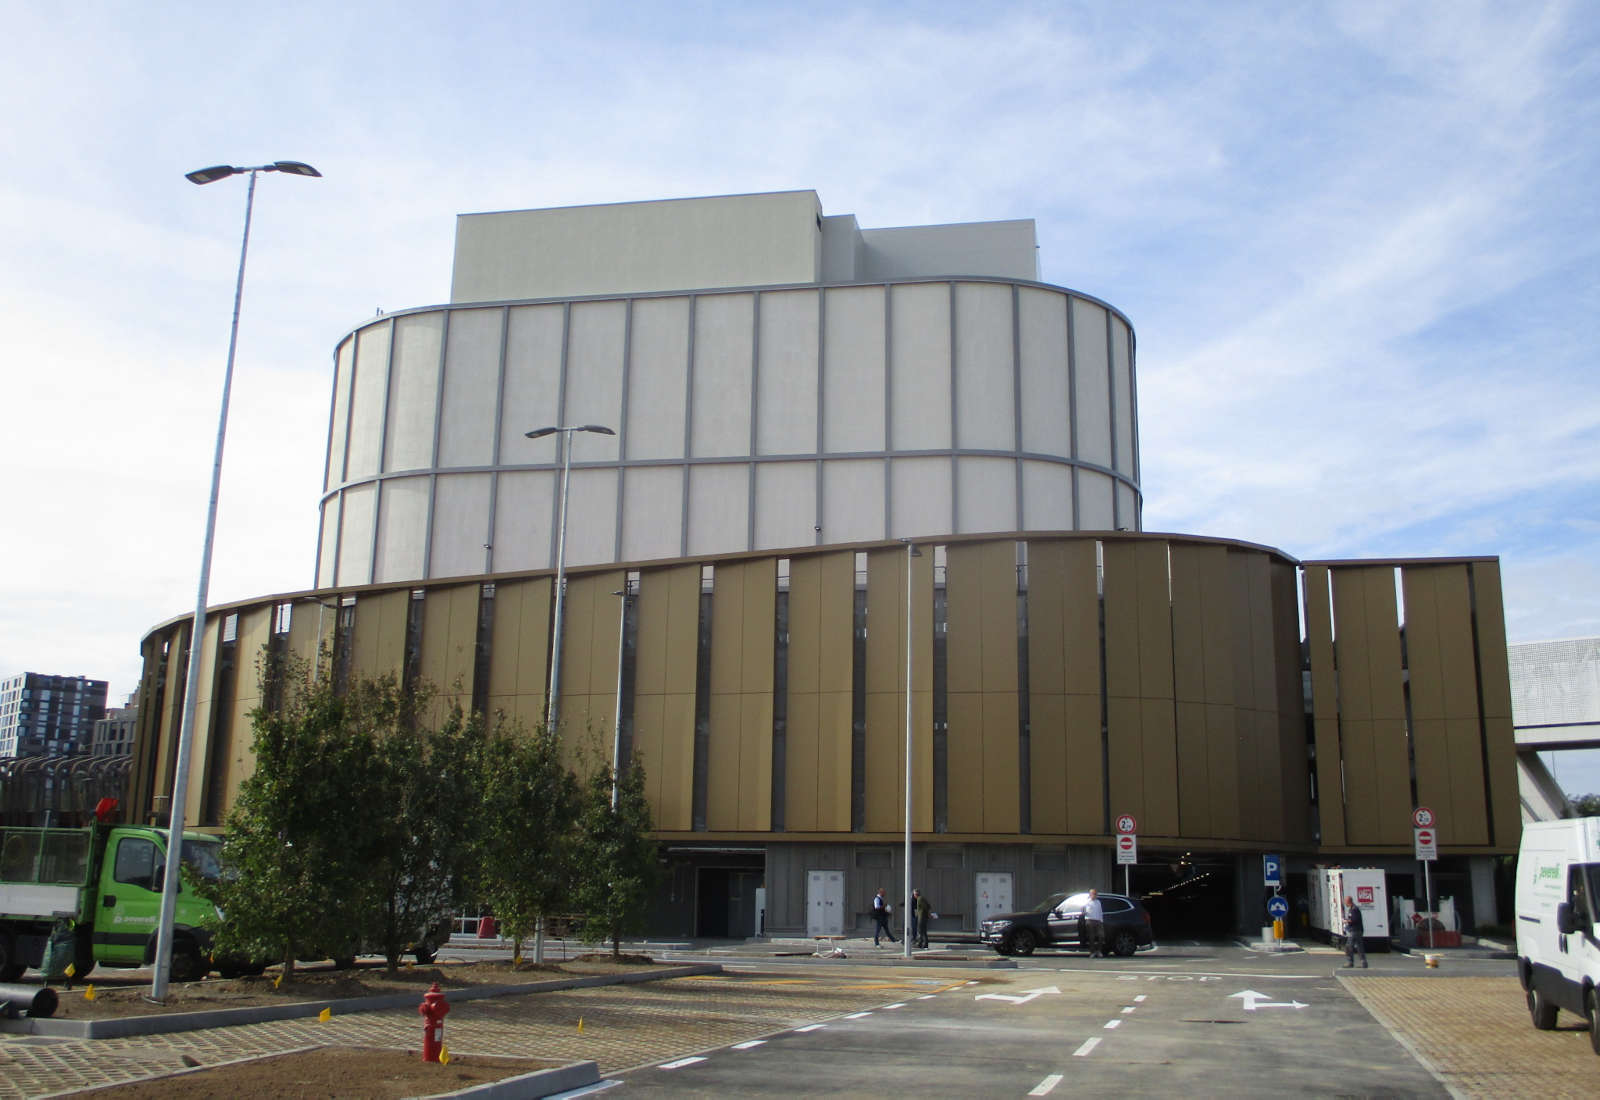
(110, 997)
(329, 1072)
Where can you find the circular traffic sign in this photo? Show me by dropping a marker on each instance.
(1425, 837)
(1127, 824)
(1278, 907)
(1125, 843)
(1422, 817)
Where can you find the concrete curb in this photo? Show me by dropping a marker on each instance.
(524, 1086)
(231, 1017)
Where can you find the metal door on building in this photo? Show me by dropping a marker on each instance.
(994, 894)
(825, 903)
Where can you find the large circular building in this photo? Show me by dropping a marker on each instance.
(809, 424)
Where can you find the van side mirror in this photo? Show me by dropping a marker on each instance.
(1566, 923)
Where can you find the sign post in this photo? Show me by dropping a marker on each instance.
(1425, 833)
(1127, 849)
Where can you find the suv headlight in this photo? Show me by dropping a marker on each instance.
(998, 925)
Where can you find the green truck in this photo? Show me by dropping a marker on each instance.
(95, 893)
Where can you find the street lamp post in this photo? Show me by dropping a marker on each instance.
(197, 629)
(911, 552)
(552, 711)
(616, 725)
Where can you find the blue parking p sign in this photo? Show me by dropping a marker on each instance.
(1272, 870)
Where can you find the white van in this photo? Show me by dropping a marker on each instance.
(1558, 954)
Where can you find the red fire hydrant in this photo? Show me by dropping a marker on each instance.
(433, 1009)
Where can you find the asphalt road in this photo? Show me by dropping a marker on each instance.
(1216, 1020)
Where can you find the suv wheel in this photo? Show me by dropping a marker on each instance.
(1124, 943)
(1023, 941)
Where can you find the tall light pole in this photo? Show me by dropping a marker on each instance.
(553, 710)
(616, 726)
(911, 552)
(197, 629)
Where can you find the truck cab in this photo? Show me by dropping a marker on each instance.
(105, 883)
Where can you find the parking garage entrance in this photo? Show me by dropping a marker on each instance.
(1189, 895)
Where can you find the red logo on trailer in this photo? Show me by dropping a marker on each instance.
(1364, 895)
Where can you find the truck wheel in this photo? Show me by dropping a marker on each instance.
(424, 952)
(10, 968)
(1125, 944)
(1023, 942)
(187, 963)
(1542, 1011)
(1593, 1004)
(83, 957)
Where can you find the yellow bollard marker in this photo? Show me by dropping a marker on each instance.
(444, 1055)
(580, 1025)
(325, 1015)
(88, 992)
(276, 982)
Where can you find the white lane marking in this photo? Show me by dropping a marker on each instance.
(1127, 1009)
(1253, 1000)
(1044, 1087)
(751, 1045)
(1139, 999)
(681, 1062)
(927, 997)
(811, 1027)
(1112, 1023)
(1088, 1045)
(857, 1015)
(901, 1004)
(1018, 998)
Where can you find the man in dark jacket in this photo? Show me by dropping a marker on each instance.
(1354, 932)
(880, 918)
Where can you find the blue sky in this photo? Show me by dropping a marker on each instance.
(1358, 243)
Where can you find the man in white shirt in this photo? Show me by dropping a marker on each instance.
(1094, 925)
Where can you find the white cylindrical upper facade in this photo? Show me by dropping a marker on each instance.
(746, 420)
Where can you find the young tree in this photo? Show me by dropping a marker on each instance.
(617, 860)
(529, 804)
(299, 831)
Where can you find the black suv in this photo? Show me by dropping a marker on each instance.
(1055, 922)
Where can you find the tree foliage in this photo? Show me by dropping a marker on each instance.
(1586, 805)
(620, 869)
(525, 842)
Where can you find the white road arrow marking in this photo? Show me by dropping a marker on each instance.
(1017, 998)
(1253, 1000)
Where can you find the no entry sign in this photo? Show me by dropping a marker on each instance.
(1427, 844)
(1127, 848)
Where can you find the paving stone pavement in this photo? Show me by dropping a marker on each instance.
(1476, 1036)
(622, 1027)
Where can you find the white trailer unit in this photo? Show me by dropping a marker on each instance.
(1329, 886)
(1558, 926)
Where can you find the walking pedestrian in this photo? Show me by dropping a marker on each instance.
(924, 911)
(880, 918)
(1094, 925)
(1354, 935)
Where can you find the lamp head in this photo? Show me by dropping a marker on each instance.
(213, 174)
(295, 168)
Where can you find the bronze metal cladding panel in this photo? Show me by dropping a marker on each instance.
(1001, 772)
(204, 725)
(520, 643)
(1291, 713)
(255, 629)
(739, 761)
(1443, 681)
(172, 708)
(1125, 748)
(1494, 673)
(833, 761)
(1155, 620)
(1217, 601)
(1188, 626)
(1047, 767)
(1324, 702)
(449, 643)
(306, 633)
(1379, 808)
(886, 688)
(964, 614)
(1355, 707)
(964, 761)
(885, 786)
(664, 692)
(1080, 625)
(1047, 585)
(1223, 765)
(1122, 622)
(821, 612)
(589, 665)
(1160, 817)
(800, 767)
(1194, 770)
(1085, 787)
(378, 647)
(1252, 693)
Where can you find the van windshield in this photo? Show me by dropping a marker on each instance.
(204, 857)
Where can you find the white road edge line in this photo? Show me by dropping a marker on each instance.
(681, 1062)
(857, 1015)
(1088, 1045)
(900, 1004)
(752, 1044)
(1043, 1088)
(1112, 1023)
(1139, 999)
(811, 1027)
(1127, 1009)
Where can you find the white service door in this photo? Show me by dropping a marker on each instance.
(825, 903)
(994, 893)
